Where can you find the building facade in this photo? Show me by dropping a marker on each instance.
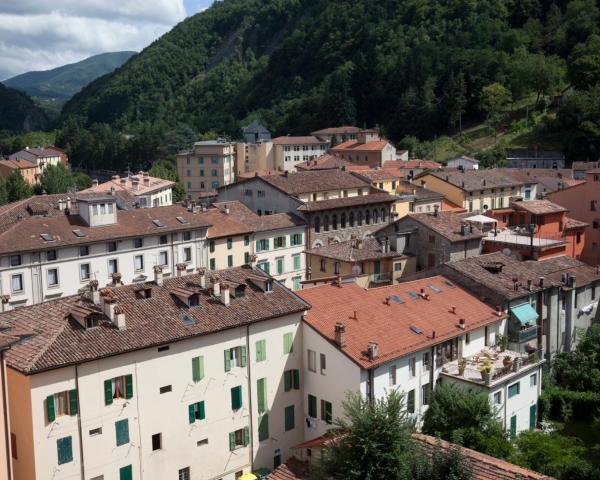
(139, 191)
(368, 149)
(290, 151)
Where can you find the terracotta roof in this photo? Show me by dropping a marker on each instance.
(471, 180)
(36, 152)
(484, 467)
(347, 202)
(293, 469)
(127, 184)
(306, 140)
(259, 223)
(57, 340)
(314, 181)
(324, 162)
(447, 224)
(25, 235)
(223, 225)
(494, 274)
(585, 165)
(420, 193)
(368, 318)
(337, 130)
(448, 206)
(17, 163)
(548, 179)
(354, 251)
(259, 173)
(595, 170)
(378, 174)
(538, 207)
(412, 164)
(573, 223)
(356, 146)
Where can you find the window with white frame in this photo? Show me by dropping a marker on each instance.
(113, 266)
(163, 258)
(412, 366)
(138, 263)
(187, 254)
(84, 271)
(312, 360)
(16, 283)
(52, 277)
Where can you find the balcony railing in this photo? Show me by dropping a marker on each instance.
(524, 334)
(381, 277)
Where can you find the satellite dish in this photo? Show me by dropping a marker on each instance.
(507, 252)
(485, 207)
(356, 270)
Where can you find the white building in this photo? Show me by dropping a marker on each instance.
(139, 190)
(189, 377)
(41, 157)
(289, 151)
(50, 250)
(403, 337)
(464, 162)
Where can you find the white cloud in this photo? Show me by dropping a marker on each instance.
(38, 35)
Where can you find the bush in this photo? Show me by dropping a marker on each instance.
(582, 405)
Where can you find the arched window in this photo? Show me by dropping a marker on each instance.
(368, 218)
(326, 223)
(334, 224)
(323, 265)
(343, 221)
(383, 215)
(375, 216)
(360, 218)
(351, 219)
(337, 268)
(317, 224)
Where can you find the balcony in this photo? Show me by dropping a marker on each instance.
(524, 334)
(381, 277)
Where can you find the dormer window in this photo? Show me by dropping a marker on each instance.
(269, 285)
(138, 242)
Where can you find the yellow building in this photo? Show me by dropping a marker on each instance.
(371, 261)
(477, 189)
(229, 241)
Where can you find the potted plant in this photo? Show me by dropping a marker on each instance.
(462, 364)
(507, 361)
(502, 342)
(486, 370)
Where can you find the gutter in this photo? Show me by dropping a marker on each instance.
(251, 423)
(79, 428)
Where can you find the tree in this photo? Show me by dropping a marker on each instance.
(578, 122)
(466, 415)
(494, 100)
(579, 370)
(17, 188)
(3, 192)
(82, 180)
(56, 179)
(455, 99)
(167, 170)
(584, 64)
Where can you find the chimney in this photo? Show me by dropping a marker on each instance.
(541, 282)
(216, 288)
(286, 173)
(436, 209)
(146, 181)
(563, 278)
(181, 269)
(61, 205)
(529, 284)
(123, 181)
(202, 277)
(226, 210)
(115, 178)
(340, 334)
(158, 275)
(498, 311)
(119, 319)
(373, 350)
(433, 334)
(68, 203)
(461, 323)
(572, 282)
(95, 292)
(135, 183)
(112, 190)
(95, 182)
(453, 309)
(515, 283)
(225, 294)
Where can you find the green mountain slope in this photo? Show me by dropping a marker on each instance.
(63, 82)
(411, 66)
(18, 112)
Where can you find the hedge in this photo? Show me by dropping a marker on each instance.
(582, 405)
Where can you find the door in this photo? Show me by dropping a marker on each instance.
(377, 267)
(532, 417)
(513, 427)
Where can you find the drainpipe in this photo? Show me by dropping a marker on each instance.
(249, 373)
(79, 429)
(371, 380)
(6, 416)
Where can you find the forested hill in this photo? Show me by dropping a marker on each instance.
(411, 66)
(18, 113)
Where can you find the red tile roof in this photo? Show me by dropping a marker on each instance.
(412, 164)
(538, 207)
(379, 174)
(448, 206)
(356, 146)
(306, 140)
(314, 181)
(324, 162)
(369, 318)
(17, 163)
(337, 130)
(572, 224)
(293, 469)
(369, 199)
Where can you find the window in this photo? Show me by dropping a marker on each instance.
(239, 438)
(138, 263)
(157, 441)
(212, 264)
(211, 246)
(279, 265)
(594, 205)
(533, 380)
(290, 418)
(187, 236)
(187, 254)
(326, 411)
(467, 338)
(296, 283)
(264, 266)
(111, 246)
(296, 239)
(279, 242)
(291, 380)
(84, 251)
(184, 473)
(16, 283)
(263, 427)
(235, 357)
(52, 276)
(165, 389)
(138, 242)
(262, 245)
(410, 402)
(323, 265)
(312, 406)
(497, 398)
(113, 266)
(163, 240)
(84, 271)
(118, 387)
(412, 365)
(61, 404)
(431, 239)
(288, 343)
(425, 391)
(196, 411)
(204, 441)
(334, 222)
(514, 389)
(246, 240)
(392, 375)
(197, 369)
(64, 447)
(51, 255)
(260, 193)
(323, 363)
(126, 473)
(122, 432)
(336, 268)
(15, 260)
(261, 350)
(163, 258)
(261, 394)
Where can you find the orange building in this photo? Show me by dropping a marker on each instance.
(368, 149)
(583, 202)
(29, 171)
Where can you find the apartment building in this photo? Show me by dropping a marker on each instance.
(41, 156)
(583, 203)
(363, 347)
(416, 199)
(136, 191)
(336, 135)
(464, 162)
(413, 167)
(289, 151)
(197, 376)
(29, 171)
(368, 149)
(335, 204)
(53, 246)
(581, 168)
(477, 189)
(275, 244)
(207, 166)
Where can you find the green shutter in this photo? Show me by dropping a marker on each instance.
(297, 262)
(243, 356)
(122, 431)
(232, 441)
(212, 264)
(267, 244)
(292, 239)
(267, 268)
(236, 398)
(108, 395)
(126, 473)
(192, 413)
(64, 447)
(283, 241)
(246, 257)
(73, 402)
(128, 386)
(261, 392)
(198, 368)
(227, 360)
(263, 427)
(296, 382)
(288, 341)
(328, 412)
(50, 408)
(202, 410)
(258, 245)
(299, 239)
(312, 406)
(246, 436)
(261, 350)
(289, 418)
(287, 380)
(230, 260)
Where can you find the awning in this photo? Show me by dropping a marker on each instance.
(480, 219)
(525, 314)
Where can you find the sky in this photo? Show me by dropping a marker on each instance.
(43, 34)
